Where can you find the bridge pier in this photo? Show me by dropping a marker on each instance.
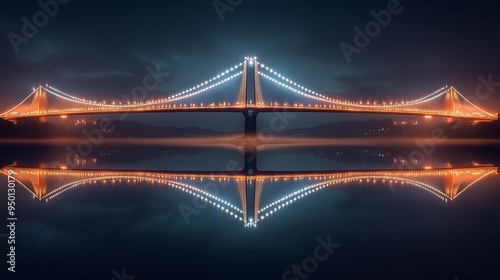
(250, 142)
(250, 122)
(250, 161)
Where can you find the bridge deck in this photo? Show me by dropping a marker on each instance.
(256, 109)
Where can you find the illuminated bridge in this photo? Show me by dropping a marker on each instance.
(253, 191)
(248, 98)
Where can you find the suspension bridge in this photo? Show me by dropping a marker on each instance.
(446, 184)
(249, 99)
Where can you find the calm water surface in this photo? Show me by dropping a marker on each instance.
(157, 212)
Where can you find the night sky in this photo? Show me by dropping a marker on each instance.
(99, 49)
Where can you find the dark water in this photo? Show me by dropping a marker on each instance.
(353, 212)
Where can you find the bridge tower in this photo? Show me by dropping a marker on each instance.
(452, 102)
(250, 114)
(39, 103)
(242, 95)
(259, 100)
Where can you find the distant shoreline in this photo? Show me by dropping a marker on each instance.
(242, 141)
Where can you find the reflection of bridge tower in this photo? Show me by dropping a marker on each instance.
(259, 183)
(452, 185)
(37, 179)
(39, 103)
(39, 183)
(455, 182)
(242, 190)
(452, 102)
(255, 186)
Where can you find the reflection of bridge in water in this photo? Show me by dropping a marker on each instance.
(445, 184)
